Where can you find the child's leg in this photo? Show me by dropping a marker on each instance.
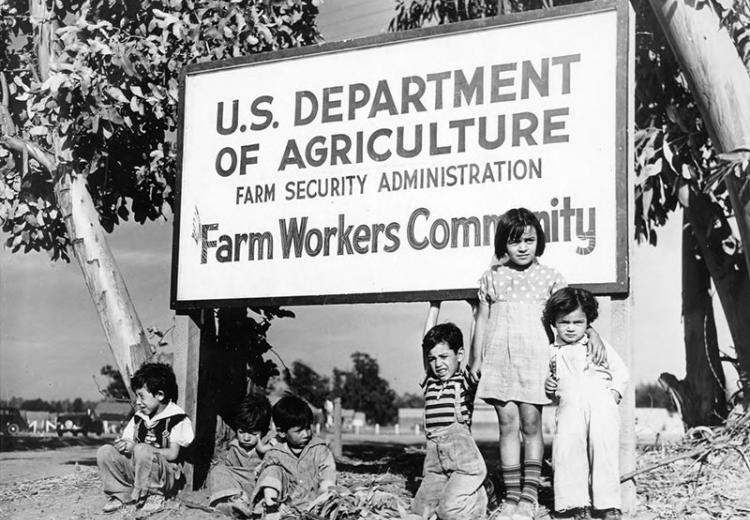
(569, 456)
(533, 444)
(464, 496)
(510, 449)
(116, 472)
(433, 483)
(152, 472)
(604, 444)
(225, 482)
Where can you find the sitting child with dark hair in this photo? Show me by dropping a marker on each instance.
(299, 467)
(231, 480)
(143, 465)
(454, 470)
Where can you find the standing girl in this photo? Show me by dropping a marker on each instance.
(510, 347)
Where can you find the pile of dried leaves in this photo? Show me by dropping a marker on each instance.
(705, 475)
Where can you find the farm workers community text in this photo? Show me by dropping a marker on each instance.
(466, 147)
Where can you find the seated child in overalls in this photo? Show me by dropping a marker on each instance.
(144, 464)
(299, 467)
(586, 445)
(231, 480)
(454, 469)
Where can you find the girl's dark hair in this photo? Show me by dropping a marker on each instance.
(566, 300)
(511, 225)
(253, 414)
(156, 377)
(291, 412)
(446, 333)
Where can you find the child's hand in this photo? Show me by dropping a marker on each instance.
(616, 395)
(473, 374)
(124, 446)
(550, 387)
(595, 348)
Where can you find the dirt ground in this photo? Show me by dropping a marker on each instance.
(59, 481)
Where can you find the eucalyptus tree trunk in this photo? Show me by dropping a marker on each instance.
(700, 397)
(105, 283)
(721, 86)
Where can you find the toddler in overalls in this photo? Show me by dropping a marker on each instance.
(586, 445)
(454, 469)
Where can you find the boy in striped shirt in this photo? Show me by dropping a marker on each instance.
(454, 469)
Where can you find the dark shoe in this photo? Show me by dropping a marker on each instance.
(612, 514)
(582, 513)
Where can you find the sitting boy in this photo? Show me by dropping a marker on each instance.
(299, 467)
(586, 450)
(143, 465)
(454, 470)
(231, 480)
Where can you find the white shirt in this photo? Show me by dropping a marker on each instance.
(181, 434)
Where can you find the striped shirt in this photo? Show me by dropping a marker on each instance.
(442, 405)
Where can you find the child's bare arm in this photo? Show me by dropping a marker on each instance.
(596, 347)
(475, 356)
(429, 322)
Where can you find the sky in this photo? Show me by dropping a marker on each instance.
(52, 345)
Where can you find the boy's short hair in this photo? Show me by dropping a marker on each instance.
(156, 377)
(446, 333)
(253, 414)
(566, 300)
(291, 412)
(511, 225)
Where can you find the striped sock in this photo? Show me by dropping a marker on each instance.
(512, 482)
(532, 475)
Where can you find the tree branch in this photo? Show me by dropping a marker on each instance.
(41, 156)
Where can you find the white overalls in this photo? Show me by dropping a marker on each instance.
(586, 446)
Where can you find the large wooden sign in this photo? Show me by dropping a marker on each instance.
(375, 170)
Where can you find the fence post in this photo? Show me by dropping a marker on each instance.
(337, 449)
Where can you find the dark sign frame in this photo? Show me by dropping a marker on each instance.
(618, 288)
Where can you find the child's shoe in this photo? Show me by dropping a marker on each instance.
(112, 505)
(612, 514)
(524, 511)
(504, 512)
(152, 504)
(582, 513)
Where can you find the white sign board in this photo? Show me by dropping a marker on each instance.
(374, 171)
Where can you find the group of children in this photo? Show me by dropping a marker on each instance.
(532, 343)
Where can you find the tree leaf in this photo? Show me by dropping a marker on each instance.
(117, 94)
(39, 130)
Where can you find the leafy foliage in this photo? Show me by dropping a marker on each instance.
(115, 388)
(246, 330)
(308, 384)
(108, 108)
(363, 389)
(364, 501)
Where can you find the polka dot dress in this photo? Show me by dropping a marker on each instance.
(515, 351)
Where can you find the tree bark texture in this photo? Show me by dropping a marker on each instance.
(106, 285)
(721, 86)
(719, 82)
(710, 228)
(700, 396)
